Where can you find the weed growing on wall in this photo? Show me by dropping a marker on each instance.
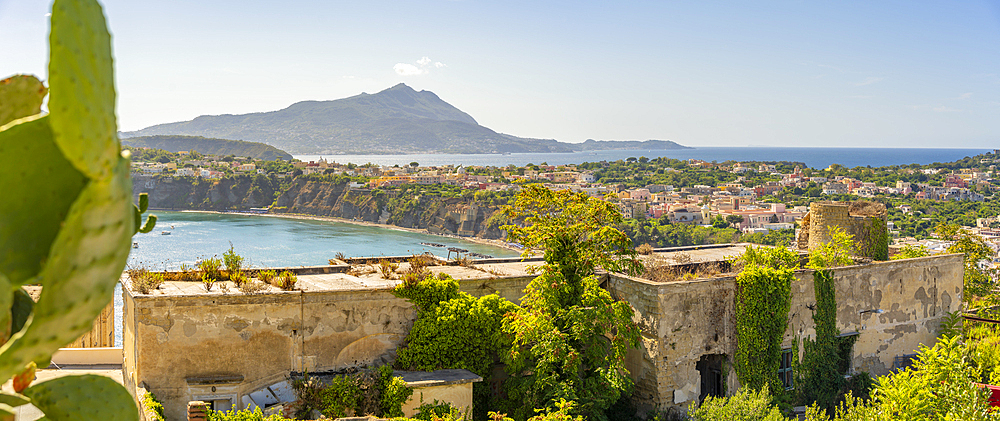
(763, 296)
(370, 392)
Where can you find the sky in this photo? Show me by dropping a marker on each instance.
(700, 73)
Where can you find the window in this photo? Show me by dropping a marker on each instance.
(785, 369)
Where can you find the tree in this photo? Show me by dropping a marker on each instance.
(719, 222)
(414, 164)
(979, 282)
(570, 338)
(734, 219)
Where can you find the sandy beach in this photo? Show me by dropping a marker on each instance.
(484, 241)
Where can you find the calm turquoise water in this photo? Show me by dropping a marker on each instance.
(812, 157)
(279, 242)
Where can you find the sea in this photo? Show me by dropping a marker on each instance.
(812, 157)
(184, 238)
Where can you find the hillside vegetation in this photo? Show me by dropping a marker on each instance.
(222, 147)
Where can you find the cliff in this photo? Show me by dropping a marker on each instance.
(455, 216)
(239, 192)
(440, 215)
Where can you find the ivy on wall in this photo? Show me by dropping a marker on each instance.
(873, 239)
(763, 299)
(825, 359)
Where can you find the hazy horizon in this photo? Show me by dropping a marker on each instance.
(853, 74)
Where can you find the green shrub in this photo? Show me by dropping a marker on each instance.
(285, 281)
(243, 415)
(267, 276)
(211, 268)
(151, 403)
(340, 396)
(746, 405)
(393, 392)
(436, 411)
(234, 262)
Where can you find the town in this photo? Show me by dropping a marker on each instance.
(726, 201)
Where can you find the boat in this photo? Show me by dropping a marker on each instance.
(165, 233)
(135, 245)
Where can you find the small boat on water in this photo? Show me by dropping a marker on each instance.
(135, 245)
(165, 233)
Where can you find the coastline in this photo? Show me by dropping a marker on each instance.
(301, 216)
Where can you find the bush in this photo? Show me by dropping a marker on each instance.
(238, 278)
(234, 262)
(387, 268)
(645, 249)
(745, 405)
(211, 268)
(285, 281)
(437, 411)
(267, 276)
(243, 415)
(151, 403)
(252, 287)
(375, 392)
(143, 281)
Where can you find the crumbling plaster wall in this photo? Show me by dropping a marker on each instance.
(171, 338)
(683, 321)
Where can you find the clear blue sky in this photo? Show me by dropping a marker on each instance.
(705, 73)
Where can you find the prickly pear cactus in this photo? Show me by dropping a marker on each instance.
(66, 220)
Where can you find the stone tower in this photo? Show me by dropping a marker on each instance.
(866, 221)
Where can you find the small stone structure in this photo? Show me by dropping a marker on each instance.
(855, 218)
(185, 344)
(451, 385)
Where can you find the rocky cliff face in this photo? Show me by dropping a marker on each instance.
(240, 192)
(455, 216)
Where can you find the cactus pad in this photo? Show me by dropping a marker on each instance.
(20, 96)
(87, 397)
(81, 78)
(39, 187)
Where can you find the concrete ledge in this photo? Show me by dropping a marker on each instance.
(438, 377)
(88, 356)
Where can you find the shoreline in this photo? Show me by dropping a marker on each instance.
(301, 216)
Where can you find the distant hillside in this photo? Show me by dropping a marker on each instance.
(206, 145)
(396, 120)
(650, 145)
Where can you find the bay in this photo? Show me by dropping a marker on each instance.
(812, 157)
(280, 242)
(274, 242)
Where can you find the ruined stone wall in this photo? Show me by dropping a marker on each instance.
(855, 218)
(695, 319)
(187, 347)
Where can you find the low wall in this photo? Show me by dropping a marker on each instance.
(88, 356)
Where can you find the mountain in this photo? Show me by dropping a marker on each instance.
(206, 145)
(396, 120)
(648, 145)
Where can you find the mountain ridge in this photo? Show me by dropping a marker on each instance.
(395, 120)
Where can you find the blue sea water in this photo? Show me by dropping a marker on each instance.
(812, 157)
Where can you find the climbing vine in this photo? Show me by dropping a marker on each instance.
(825, 359)
(763, 299)
(873, 239)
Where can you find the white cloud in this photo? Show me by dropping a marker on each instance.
(966, 95)
(423, 67)
(406, 69)
(869, 81)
